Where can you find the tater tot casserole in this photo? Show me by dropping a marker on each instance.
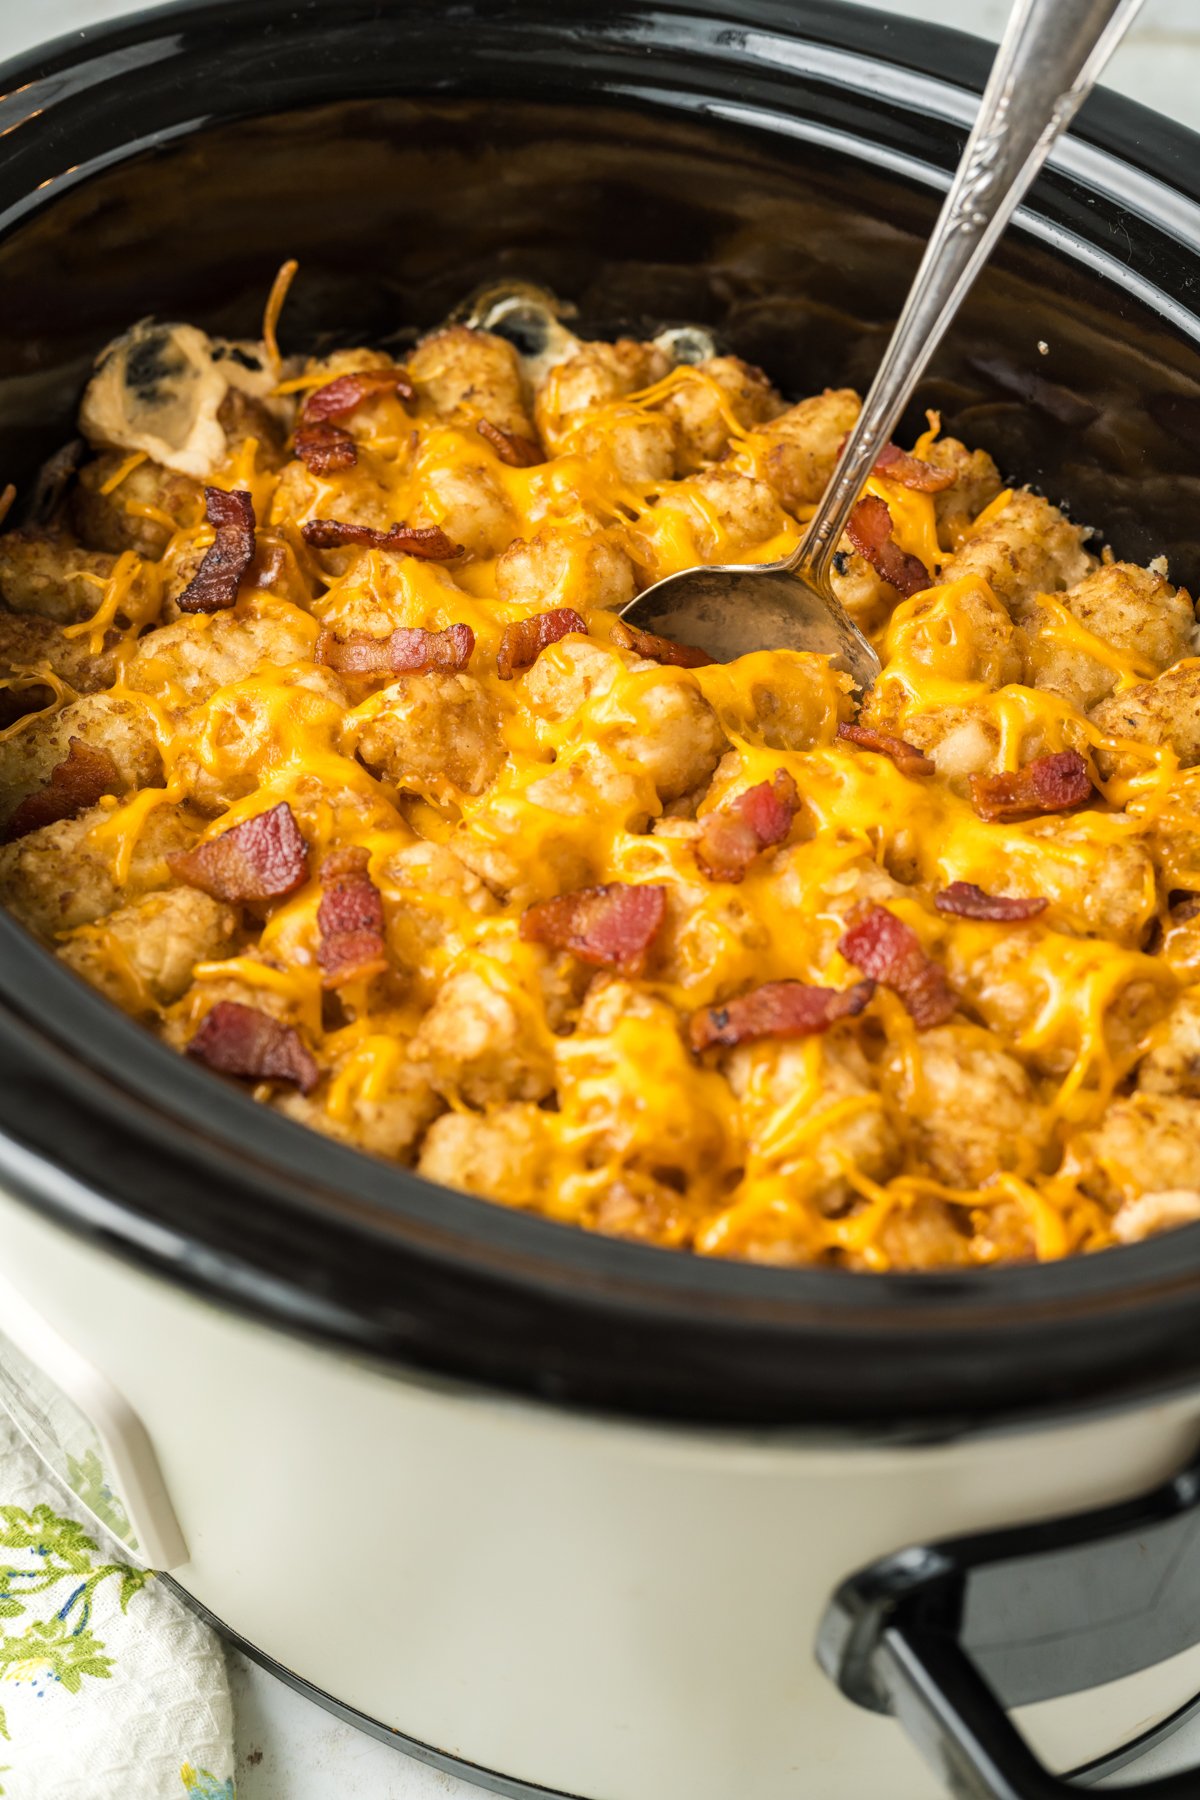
(326, 754)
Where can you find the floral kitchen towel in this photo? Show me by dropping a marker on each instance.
(109, 1687)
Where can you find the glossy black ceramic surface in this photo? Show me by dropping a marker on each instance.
(770, 170)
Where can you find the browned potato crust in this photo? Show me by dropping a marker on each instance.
(728, 959)
(1029, 548)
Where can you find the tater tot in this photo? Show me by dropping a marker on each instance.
(730, 958)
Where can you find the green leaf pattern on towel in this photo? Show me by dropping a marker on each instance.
(85, 1477)
(50, 1571)
(48, 1583)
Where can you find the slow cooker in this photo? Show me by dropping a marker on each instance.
(566, 1514)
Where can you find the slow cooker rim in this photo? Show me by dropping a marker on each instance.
(632, 1275)
(103, 1039)
(621, 1282)
(1141, 136)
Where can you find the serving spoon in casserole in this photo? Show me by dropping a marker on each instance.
(1048, 60)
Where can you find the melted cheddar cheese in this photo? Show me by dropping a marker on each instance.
(516, 1071)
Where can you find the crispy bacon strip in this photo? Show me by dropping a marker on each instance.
(888, 951)
(339, 397)
(907, 758)
(869, 529)
(214, 586)
(427, 541)
(787, 1009)
(523, 642)
(263, 858)
(349, 920)
(325, 448)
(966, 901)
(409, 650)
(909, 471)
(658, 649)
(240, 1040)
(517, 451)
(77, 782)
(1048, 784)
(733, 834)
(612, 926)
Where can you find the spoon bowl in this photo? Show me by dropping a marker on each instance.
(727, 609)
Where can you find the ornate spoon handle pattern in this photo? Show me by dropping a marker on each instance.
(1049, 58)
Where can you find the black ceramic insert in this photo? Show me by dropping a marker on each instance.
(769, 169)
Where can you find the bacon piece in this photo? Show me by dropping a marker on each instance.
(427, 541)
(966, 901)
(523, 642)
(77, 782)
(909, 471)
(612, 926)
(339, 397)
(869, 529)
(888, 951)
(658, 649)
(274, 566)
(263, 858)
(350, 920)
(787, 1009)
(240, 1040)
(325, 448)
(214, 586)
(517, 451)
(907, 758)
(1048, 784)
(733, 834)
(409, 650)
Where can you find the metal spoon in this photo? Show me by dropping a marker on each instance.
(1048, 60)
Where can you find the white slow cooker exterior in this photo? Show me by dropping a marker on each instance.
(605, 1609)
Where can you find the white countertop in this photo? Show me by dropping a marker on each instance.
(289, 1749)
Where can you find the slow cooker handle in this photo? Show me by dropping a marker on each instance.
(947, 1637)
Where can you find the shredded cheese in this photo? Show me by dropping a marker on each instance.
(790, 1152)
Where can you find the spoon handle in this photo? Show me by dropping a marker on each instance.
(1049, 58)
